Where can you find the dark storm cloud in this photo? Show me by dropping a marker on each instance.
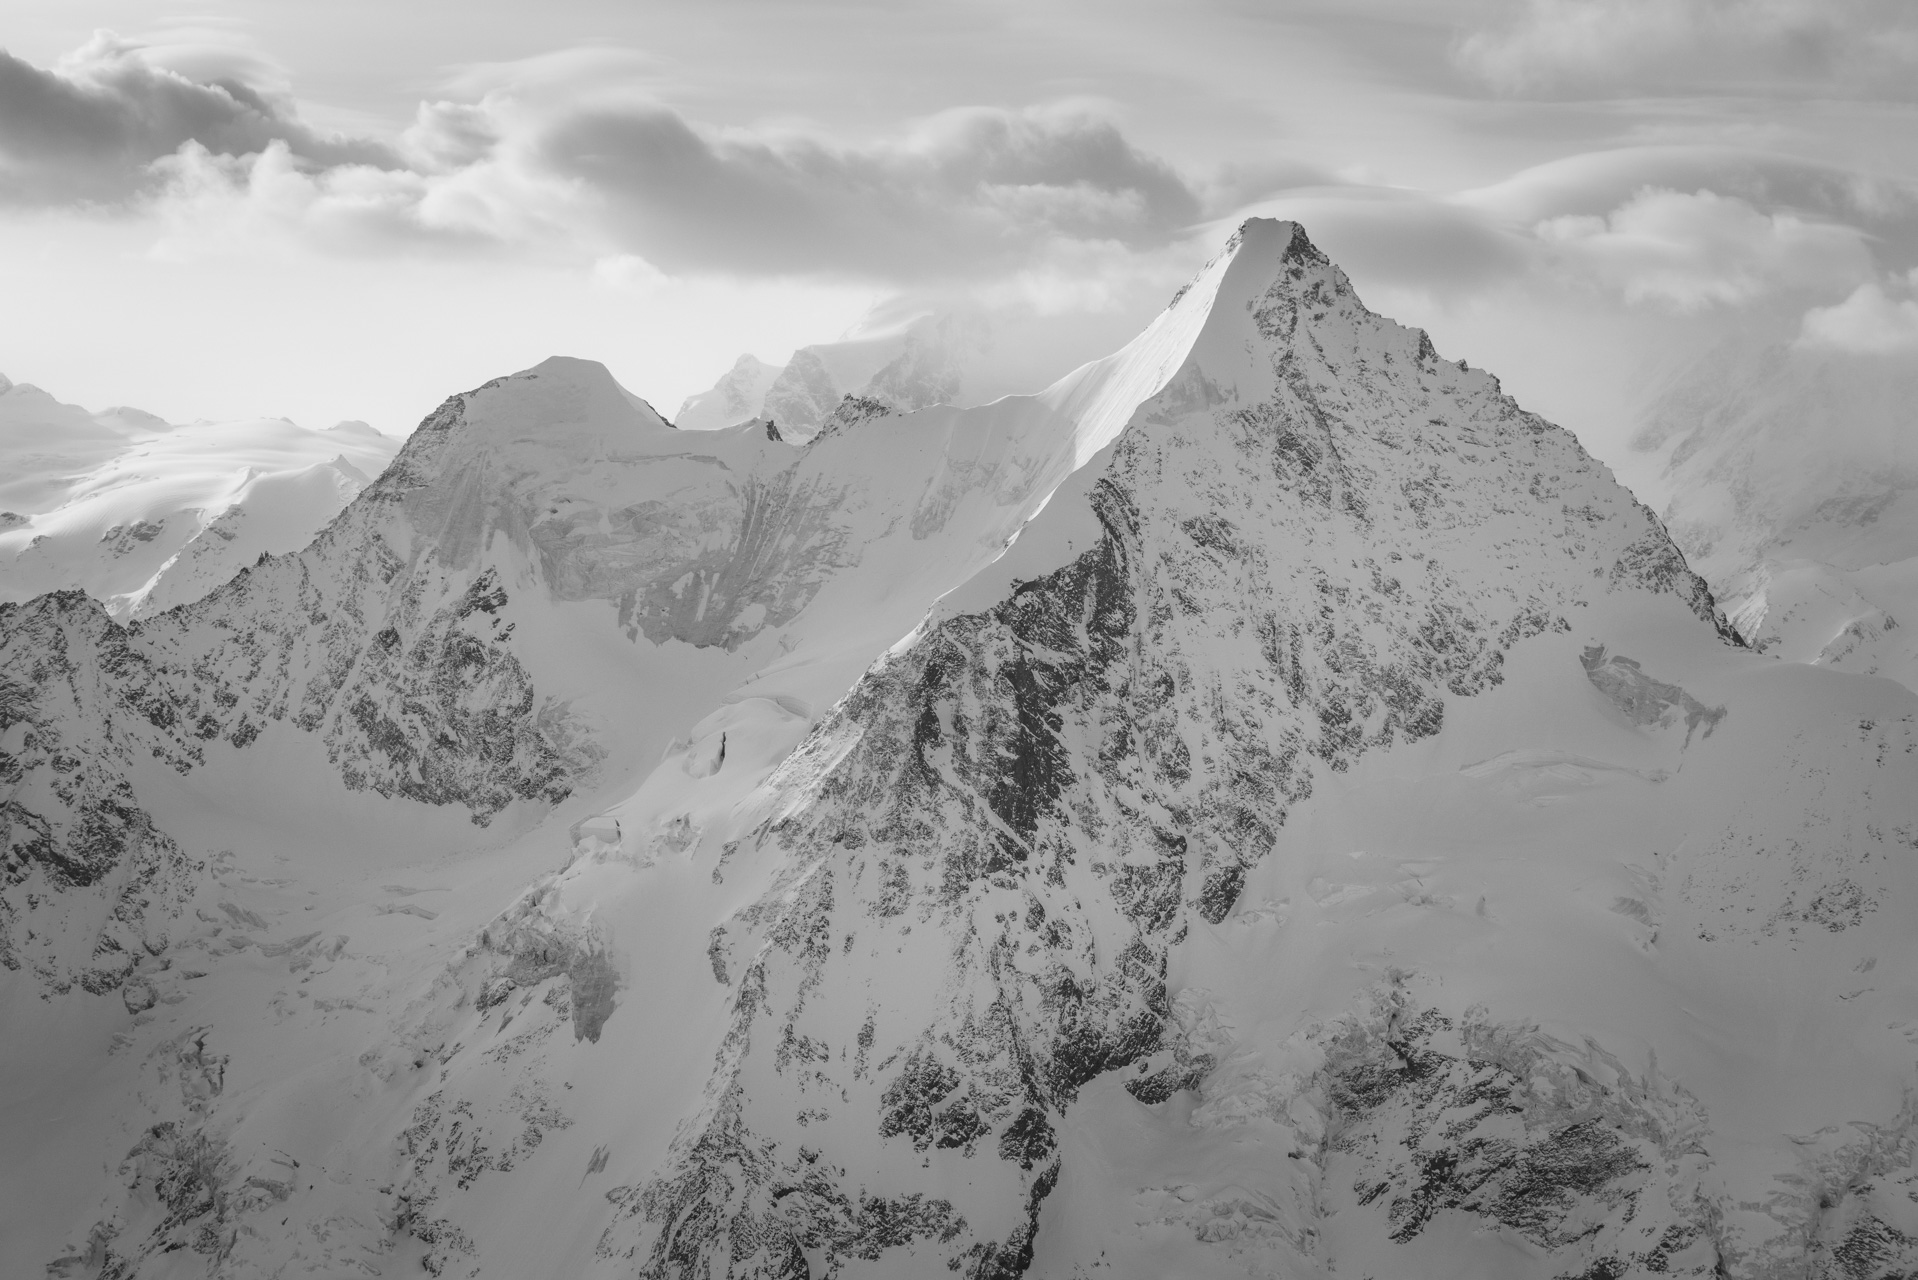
(971, 188)
(89, 129)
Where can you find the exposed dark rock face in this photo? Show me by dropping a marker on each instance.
(83, 864)
(405, 670)
(1602, 1174)
(435, 719)
(784, 545)
(537, 944)
(1644, 701)
(1309, 540)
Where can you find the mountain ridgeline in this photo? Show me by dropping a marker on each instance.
(1266, 805)
(544, 578)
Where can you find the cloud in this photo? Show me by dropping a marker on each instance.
(1869, 322)
(1572, 47)
(967, 193)
(1405, 239)
(556, 157)
(1600, 181)
(1690, 251)
(89, 128)
(968, 189)
(1592, 223)
(557, 160)
(210, 205)
(562, 74)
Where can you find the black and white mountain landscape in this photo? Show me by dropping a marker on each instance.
(1266, 801)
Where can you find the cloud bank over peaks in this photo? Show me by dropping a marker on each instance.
(967, 188)
(1573, 48)
(1693, 250)
(531, 167)
(91, 127)
(1682, 229)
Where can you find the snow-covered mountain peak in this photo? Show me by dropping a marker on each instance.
(1306, 549)
(1277, 291)
(562, 403)
(1218, 334)
(120, 501)
(735, 398)
(1334, 838)
(344, 465)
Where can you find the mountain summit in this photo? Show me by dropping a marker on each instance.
(1268, 804)
(975, 878)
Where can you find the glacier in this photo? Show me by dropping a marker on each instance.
(144, 514)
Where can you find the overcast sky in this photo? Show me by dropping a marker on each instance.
(352, 209)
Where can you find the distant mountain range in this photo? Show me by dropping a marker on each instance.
(937, 359)
(1795, 475)
(144, 515)
(1266, 804)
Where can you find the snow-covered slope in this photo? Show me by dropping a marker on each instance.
(1336, 838)
(1794, 475)
(143, 515)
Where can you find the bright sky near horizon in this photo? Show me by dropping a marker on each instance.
(351, 210)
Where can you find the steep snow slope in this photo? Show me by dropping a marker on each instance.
(1794, 476)
(143, 515)
(1336, 837)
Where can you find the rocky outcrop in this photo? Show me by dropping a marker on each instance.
(84, 865)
